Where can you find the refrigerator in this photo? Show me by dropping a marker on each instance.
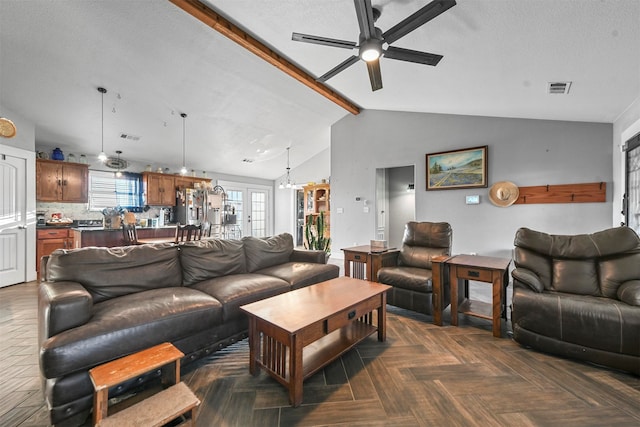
(190, 206)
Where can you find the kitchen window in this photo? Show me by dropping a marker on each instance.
(108, 191)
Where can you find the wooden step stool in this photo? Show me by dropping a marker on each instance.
(157, 410)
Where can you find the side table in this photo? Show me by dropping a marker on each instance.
(366, 262)
(472, 267)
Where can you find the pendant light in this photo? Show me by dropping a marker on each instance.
(183, 171)
(118, 172)
(287, 183)
(102, 156)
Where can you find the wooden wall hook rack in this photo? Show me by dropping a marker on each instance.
(592, 192)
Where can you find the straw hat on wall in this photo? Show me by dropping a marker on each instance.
(504, 193)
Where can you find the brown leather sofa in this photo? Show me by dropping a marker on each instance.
(579, 296)
(99, 304)
(410, 278)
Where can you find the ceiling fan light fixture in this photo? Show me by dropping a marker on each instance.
(370, 50)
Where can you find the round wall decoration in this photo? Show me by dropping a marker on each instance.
(504, 193)
(7, 128)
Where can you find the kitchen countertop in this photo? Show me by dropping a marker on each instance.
(53, 227)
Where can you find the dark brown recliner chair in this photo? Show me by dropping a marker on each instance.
(411, 276)
(579, 296)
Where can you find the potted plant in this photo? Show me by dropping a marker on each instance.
(314, 234)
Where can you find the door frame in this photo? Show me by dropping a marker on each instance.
(30, 187)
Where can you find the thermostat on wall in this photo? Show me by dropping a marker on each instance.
(473, 200)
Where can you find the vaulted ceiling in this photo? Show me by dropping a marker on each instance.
(157, 61)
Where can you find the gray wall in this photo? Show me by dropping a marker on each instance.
(527, 152)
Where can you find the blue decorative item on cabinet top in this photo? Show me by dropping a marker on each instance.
(57, 154)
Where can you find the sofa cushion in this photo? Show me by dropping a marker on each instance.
(239, 289)
(130, 323)
(629, 292)
(414, 279)
(615, 271)
(208, 259)
(596, 322)
(581, 246)
(422, 241)
(267, 252)
(575, 276)
(301, 274)
(111, 272)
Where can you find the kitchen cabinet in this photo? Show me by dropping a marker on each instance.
(182, 182)
(159, 189)
(50, 239)
(58, 181)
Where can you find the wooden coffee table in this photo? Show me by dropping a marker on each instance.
(293, 335)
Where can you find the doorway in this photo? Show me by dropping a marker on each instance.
(395, 202)
(250, 208)
(632, 184)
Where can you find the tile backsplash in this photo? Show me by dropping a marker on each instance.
(81, 211)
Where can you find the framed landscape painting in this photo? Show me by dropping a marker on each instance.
(466, 168)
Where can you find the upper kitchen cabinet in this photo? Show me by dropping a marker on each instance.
(58, 181)
(182, 182)
(159, 189)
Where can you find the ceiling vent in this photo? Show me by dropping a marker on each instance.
(558, 88)
(129, 137)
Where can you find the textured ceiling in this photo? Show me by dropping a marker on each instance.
(157, 61)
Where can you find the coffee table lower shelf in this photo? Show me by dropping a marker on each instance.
(278, 359)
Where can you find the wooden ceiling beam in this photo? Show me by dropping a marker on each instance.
(238, 35)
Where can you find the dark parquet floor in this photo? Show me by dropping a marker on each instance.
(424, 375)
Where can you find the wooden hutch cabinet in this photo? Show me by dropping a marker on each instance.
(316, 200)
(159, 189)
(58, 181)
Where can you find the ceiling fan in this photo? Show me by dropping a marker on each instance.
(372, 41)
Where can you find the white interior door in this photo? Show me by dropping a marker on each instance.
(13, 220)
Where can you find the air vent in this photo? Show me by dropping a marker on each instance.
(129, 137)
(247, 160)
(558, 88)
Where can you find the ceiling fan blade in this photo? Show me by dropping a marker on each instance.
(374, 74)
(308, 38)
(412, 56)
(419, 18)
(341, 67)
(364, 11)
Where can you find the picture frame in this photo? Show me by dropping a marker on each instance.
(454, 169)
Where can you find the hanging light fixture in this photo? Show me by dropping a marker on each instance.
(102, 156)
(183, 171)
(118, 172)
(287, 183)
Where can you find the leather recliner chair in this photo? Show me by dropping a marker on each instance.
(578, 296)
(410, 278)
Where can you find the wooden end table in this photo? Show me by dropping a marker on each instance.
(366, 261)
(295, 334)
(472, 267)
